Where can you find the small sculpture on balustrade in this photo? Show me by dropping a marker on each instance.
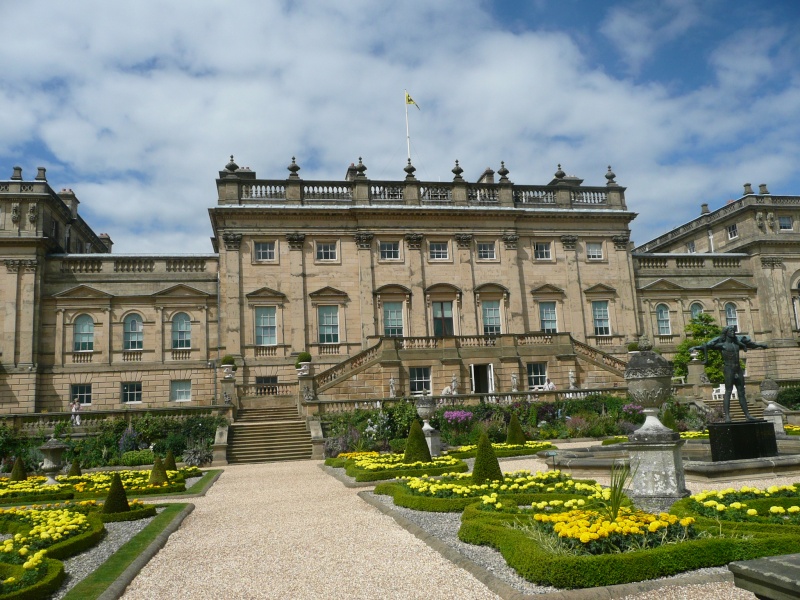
(392, 388)
(454, 385)
(308, 394)
(572, 382)
(514, 384)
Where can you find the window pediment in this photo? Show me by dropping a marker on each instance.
(180, 291)
(82, 292)
(731, 284)
(328, 293)
(491, 288)
(265, 293)
(599, 289)
(662, 285)
(392, 288)
(547, 290)
(443, 288)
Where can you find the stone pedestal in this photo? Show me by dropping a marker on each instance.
(229, 392)
(657, 477)
(742, 440)
(220, 447)
(773, 578)
(433, 438)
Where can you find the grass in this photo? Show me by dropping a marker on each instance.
(97, 583)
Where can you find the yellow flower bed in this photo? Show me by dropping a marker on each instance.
(593, 532)
(387, 462)
(792, 429)
(133, 481)
(533, 446)
(29, 487)
(728, 504)
(694, 435)
(459, 485)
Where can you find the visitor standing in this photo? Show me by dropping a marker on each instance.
(549, 385)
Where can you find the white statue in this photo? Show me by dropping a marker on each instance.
(454, 385)
(308, 394)
(572, 384)
(514, 385)
(392, 390)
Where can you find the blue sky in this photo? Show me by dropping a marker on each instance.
(137, 107)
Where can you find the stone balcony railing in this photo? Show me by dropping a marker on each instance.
(690, 264)
(125, 266)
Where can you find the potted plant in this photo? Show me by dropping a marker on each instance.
(228, 366)
(303, 363)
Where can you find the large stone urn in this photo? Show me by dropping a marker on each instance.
(426, 406)
(772, 411)
(52, 450)
(657, 476)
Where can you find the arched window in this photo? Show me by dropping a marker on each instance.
(730, 315)
(83, 335)
(133, 332)
(696, 309)
(662, 320)
(181, 332)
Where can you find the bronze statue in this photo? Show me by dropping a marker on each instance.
(729, 344)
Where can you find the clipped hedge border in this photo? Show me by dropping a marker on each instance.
(43, 588)
(405, 498)
(170, 489)
(132, 515)
(79, 543)
(37, 498)
(364, 475)
(503, 452)
(568, 572)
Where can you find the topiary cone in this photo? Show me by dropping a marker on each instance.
(486, 466)
(416, 447)
(117, 499)
(169, 461)
(514, 434)
(18, 471)
(158, 474)
(75, 469)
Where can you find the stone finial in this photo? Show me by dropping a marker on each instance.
(40, 174)
(560, 174)
(361, 168)
(409, 169)
(610, 175)
(644, 343)
(293, 169)
(762, 189)
(503, 172)
(17, 174)
(748, 189)
(231, 166)
(457, 171)
(704, 209)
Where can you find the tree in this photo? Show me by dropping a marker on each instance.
(698, 331)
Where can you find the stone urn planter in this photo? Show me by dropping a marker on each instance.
(53, 451)
(649, 380)
(426, 406)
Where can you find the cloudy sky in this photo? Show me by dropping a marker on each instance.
(136, 106)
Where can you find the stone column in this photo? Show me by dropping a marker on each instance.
(297, 286)
(27, 305)
(231, 293)
(416, 261)
(574, 301)
(159, 334)
(470, 320)
(58, 343)
(366, 285)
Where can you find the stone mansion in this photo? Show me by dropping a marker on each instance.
(394, 287)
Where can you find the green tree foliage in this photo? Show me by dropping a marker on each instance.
(158, 474)
(698, 331)
(486, 466)
(18, 472)
(416, 446)
(515, 435)
(117, 499)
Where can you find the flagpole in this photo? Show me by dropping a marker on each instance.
(408, 137)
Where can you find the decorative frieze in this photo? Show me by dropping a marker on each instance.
(569, 241)
(510, 240)
(772, 262)
(14, 266)
(15, 213)
(32, 212)
(363, 240)
(232, 240)
(414, 241)
(464, 240)
(621, 241)
(295, 240)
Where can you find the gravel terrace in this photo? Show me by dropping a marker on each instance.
(289, 530)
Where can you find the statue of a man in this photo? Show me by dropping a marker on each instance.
(729, 344)
(392, 390)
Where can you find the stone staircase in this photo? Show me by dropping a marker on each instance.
(756, 408)
(268, 435)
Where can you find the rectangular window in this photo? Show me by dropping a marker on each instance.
(326, 250)
(393, 319)
(132, 392)
(541, 250)
(180, 390)
(785, 223)
(267, 385)
(594, 250)
(390, 250)
(82, 392)
(600, 317)
(537, 375)
(491, 317)
(265, 250)
(733, 232)
(442, 318)
(547, 317)
(266, 326)
(328, 324)
(690, 247)
(486, 251)
(438, 251)
(420, 380)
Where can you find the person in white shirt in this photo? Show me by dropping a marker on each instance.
(549, 385)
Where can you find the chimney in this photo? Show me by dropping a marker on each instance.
(17, 175)
(69, 198)
(762, 189)
(40, 175)
(748, 189)
(351, 173)
(487, 177)
(106, 239)
(704, 209)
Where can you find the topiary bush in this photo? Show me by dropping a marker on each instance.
(416, 447)
(158, 474)
(486, 466)
(515, 435)
(75, 469)
(18, 472)
(303, 357)
(117, 499)
(169, 462)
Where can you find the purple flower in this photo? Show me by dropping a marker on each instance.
(457, 416)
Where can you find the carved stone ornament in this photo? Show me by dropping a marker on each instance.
(414, 241)
(510, 240)
(363, 240)
(772, 262)
(295, 240)
(15, 213)
(649, 378)
(12, 266)
(232, 240)
(463, 239)
(569, 241)
(32, 212)
(621, 241)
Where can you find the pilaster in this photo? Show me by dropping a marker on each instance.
(298, 335)
(231, 292)
(366, 283)
(416, 262)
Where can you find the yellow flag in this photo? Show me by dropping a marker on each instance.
(410, 100)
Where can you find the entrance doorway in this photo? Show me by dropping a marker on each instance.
(482, 377)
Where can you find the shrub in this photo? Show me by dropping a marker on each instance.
(18, 472)
(416, 447)
(397, 445)
(515, 435)
(486, 466)
(75, 469)
(137, 457)
(169, 462)
(129, 441)
(117, 499)
(303, 357)
(789, 397)
(198, 453)
(228, 360)
(158, 474)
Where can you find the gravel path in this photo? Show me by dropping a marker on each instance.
(289, 530)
